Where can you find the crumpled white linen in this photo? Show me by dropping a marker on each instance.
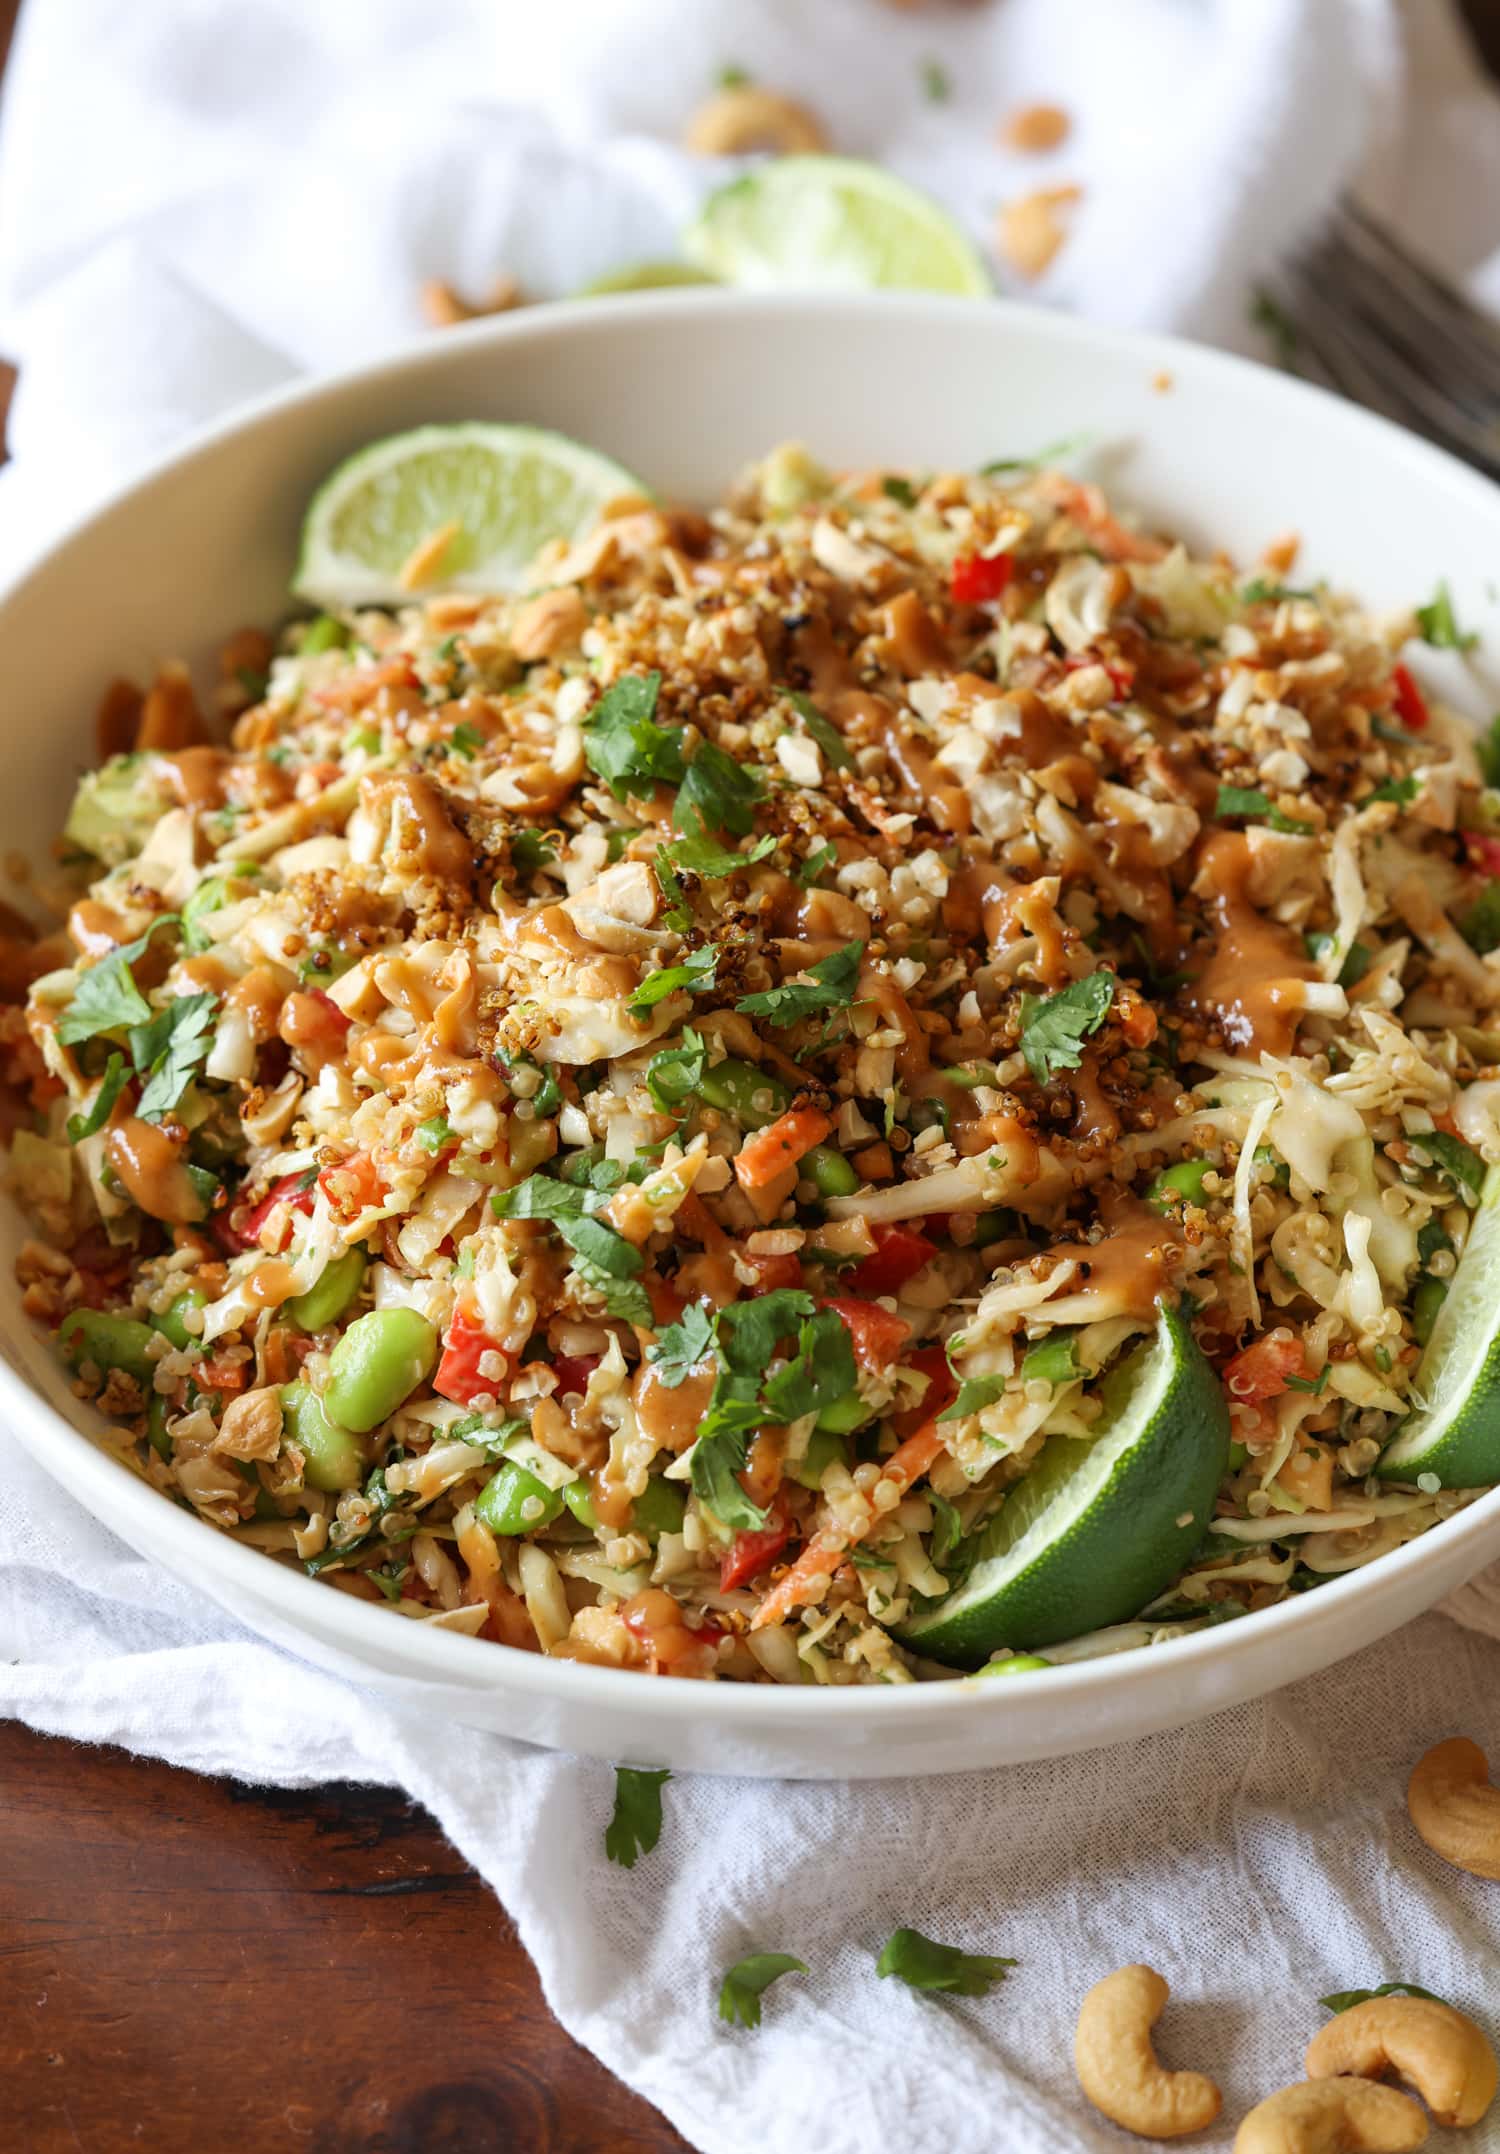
(200, 200)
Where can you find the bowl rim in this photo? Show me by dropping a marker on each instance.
(421, 1649)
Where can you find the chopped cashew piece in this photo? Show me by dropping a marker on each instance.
(1333, 2116)
(1030, 231)
(1117, 2067)
(736, 121)
(1455, 1808)
(1427, 2044)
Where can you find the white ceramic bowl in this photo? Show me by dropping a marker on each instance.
(684, 388)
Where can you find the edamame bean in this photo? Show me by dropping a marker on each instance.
(110, 1342)
(324, 633)
(1238, 1455)
(379, 1361)
(825, 1444)
(156, 1425)
(1014, 1664)
(1425, 1304)
(1185, 1179)
(325, 1302)
(829, 1171)
(660, 1510)
(170, 1321)
(752, 1096)
(515, 1501)
(333, 1457)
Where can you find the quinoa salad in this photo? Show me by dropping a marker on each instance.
(659, 1120)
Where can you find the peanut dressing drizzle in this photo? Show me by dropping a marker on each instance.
(1251, 983)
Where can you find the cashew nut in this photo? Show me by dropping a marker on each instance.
(1117, 2066)
(1454, 1807)
(1429, 2045)
(735, 121)
(1333, 2116)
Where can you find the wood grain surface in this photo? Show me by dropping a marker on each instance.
(191, 1965)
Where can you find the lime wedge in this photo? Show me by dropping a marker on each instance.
(835, 224)
(643, 277)
(1455, 1430)
(502, 491)
(1100, 1526)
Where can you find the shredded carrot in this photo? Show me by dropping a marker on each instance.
(780, 1145)
(826, 1551)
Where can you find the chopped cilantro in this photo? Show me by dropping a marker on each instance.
(1259, 591)
(1355, 965)
(696, 973)
(674, 1075)
(829, 986)
(530, 850)
(1343, 2000)
(600, 1245)
(1270, 315)
(1053, 1360)
(947, 1528)
(616, 840)
(1053, 453)
(700, 856)
(748, 1333)
(1256, 806)
(1437, 626)
(623, 742)
(822, 1371)
(87, 1125)
(324, 633)
(936, 86)
(106, 998)
(899, 490)
(635, 1826)
(1487, 748)
(823, 856)
(436, 1134)
(466, 740)
(973, 1393)
(717, 793)
(835, 749)
(748, 1980)
(1459, 1161)
(1316, 1385)
(681, 1346)
(1053, 1027)
(677, 916)
(168, 1049)
(922, 1964)
(1432, 1238)
(540, 1197)
(1480, 925)
(1400, 790)
(732, 76)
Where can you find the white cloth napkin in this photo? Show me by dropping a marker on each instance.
(198, 200)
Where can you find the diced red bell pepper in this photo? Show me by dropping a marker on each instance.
(878, 1336)
(1411, 704)
(1260, 1370)
(458, 1373)
(352, 1187)
(899, 1255)
(1483, 850)
(975, 578)
(772, 1272)
(573, 1372)
(244, 1228)
(755, 1550)
(942, 1388)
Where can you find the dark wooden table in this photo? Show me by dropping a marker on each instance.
(188, 1965)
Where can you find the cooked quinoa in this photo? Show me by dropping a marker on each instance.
(711, 1061)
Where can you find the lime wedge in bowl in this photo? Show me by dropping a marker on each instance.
(832, 223)
(1454, 1431)
(498, 492)
(1099, 1526)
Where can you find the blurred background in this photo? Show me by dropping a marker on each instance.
(200, 200)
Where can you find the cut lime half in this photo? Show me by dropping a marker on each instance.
(832, 223)
(1099, 1526)
(500, 492)
(1454, 1431)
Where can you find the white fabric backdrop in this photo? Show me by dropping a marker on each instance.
(198, 200)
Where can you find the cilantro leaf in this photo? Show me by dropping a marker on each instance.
(936, 85)
(681, 1346)
(718, 793)
(921, 1964)
(823, 856)
(623, 742)
(530, 850)
(436, 1134)
(747, 1981)
(466, 740)
(1400, 790)
(1053, 453)
(1430, 1239)
(899, 490)
(106, 998)
(697, 972)
(751, 1331)
(1459, 1161)
(947, 1527)
(1480, 925)
(678, 915)
(675, 1074)
(1487, 748)
(1053, 1027)
(721, 1450)
(700, 856)
(973, 1393)
(170, 1048)
(1053, 1360)
(1343, 2000)
(540, 1197)
(828, 986)
(1259, 591)
(1256, 806)
(635, 1826)
(1437, 626)
(827, 735)
(822, 1371)
(87, 1125)
(626, 1299)
(600, 1245)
